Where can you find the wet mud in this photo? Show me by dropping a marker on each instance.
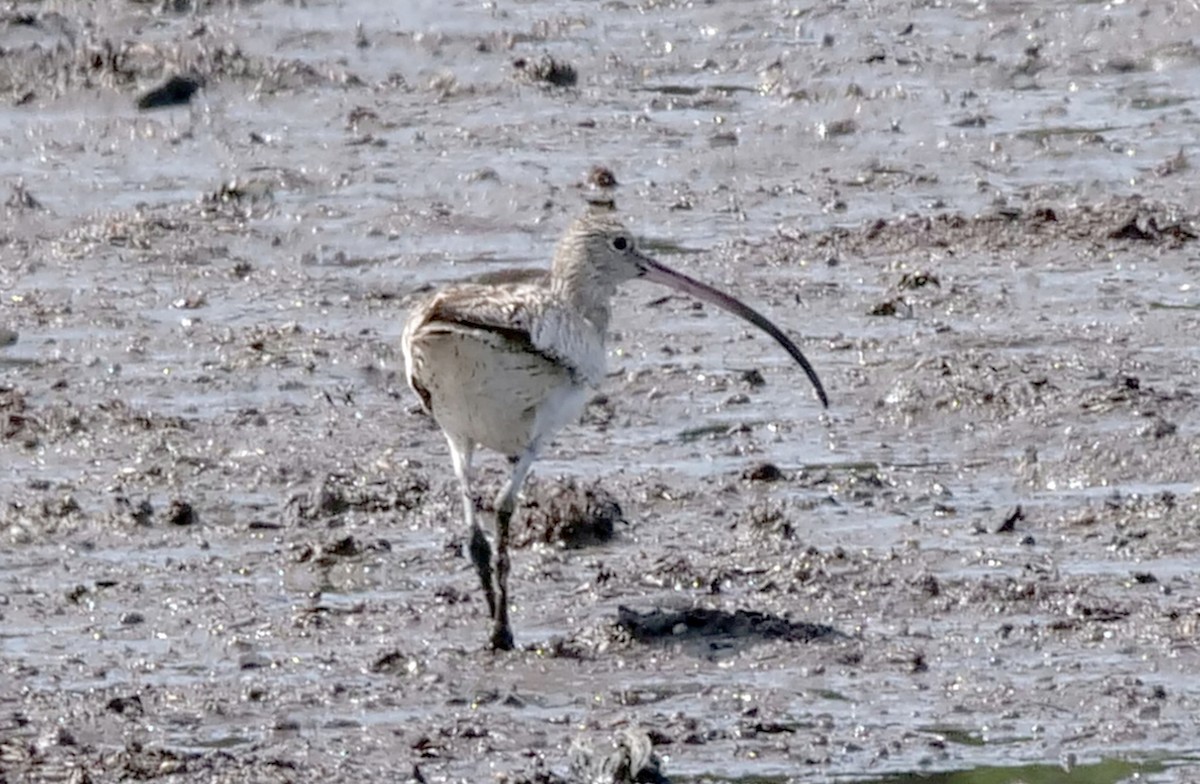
(231, 548)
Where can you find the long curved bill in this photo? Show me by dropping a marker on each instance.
(659, 273)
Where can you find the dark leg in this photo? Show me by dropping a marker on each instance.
(481, 556)
(502, 636)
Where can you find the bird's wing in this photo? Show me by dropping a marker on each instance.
(501, 310)
(525, 316)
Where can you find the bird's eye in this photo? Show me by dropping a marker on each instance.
(621, 243)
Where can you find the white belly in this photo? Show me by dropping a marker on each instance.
(485, 388)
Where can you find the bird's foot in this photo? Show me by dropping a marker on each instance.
(502, 638)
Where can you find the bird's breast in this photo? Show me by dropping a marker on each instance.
(575, 340)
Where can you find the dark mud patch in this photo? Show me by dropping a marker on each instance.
(567, 513)
(175, 91)
(717, 626)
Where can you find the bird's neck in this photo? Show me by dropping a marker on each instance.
(579, 287)
(589, 298)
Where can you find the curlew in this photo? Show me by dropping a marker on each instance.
(506, 364)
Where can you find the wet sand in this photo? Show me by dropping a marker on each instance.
(230, 548)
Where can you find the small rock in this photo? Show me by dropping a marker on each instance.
(836, 128)
(919, 280)
(930, 586)
(884, 308)
(126, 706)
(763, 472)
(602, 177)
(547, 69)
(344, 547)
(753, 378)
(1010, 522)
(181, 513)
(176, 91)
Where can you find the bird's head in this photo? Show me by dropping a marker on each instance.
(599, 250)
(598, 253)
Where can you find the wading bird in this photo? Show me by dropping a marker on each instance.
(505, 365)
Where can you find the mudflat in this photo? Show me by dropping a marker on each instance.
(230, 543)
